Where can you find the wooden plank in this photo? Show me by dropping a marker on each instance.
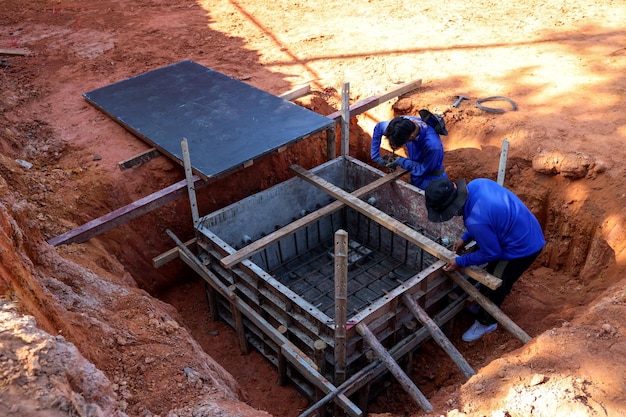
(393, 367)
(394, 225)
(258, 245)
(438, 336)
(503, 157)
(373, 101)
(125, 214)
(491, 308)
(296, 93)
(140, 159)
(171, 254)
(13, 51)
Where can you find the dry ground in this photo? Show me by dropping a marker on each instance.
(140, 340)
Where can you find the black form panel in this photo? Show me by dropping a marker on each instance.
(226, 122)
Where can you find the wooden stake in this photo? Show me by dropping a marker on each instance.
(345, 119)
(190, 182)
(341, 301)
(503, 156)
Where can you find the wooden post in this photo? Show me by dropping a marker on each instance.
(438, 335)
(341, 301)
(345, 119)
(331, 148)
(491, 308)
(319, 354)
(190, 187)
(212, 300)
(282, 361)
(393, 367)
(503, 156)
(238, 318)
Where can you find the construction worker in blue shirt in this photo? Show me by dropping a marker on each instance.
(423, 147)
(507, 234)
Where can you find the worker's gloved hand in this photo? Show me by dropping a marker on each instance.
(382, 162)
(393, 162)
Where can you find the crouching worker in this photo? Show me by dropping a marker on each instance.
(508, 236)
(423, 148)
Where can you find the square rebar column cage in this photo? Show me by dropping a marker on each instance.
(289, 282)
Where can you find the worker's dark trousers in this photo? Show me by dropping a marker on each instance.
(509, 272)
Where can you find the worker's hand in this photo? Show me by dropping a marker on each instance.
(452, 266)
(458, 245)
(393, 161)
(382, 162)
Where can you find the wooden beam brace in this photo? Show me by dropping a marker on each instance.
(171, 254)
(438, 335)
(393, 367)
(394, 225)
(319, 381)
(490, 307)
(125, 214)
(371, 102)
(258, 245)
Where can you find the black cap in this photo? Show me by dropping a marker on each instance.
(444, 198)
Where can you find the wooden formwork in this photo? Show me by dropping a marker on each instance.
(274, 269)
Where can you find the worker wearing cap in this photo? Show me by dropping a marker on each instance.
(507, 234)
(423, 146)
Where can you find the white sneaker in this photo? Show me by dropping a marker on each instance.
(477, 331)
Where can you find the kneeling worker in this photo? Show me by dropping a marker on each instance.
(423, 147)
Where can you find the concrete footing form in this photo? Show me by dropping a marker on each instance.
(336, 277)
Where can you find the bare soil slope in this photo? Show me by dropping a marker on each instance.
(114, 336)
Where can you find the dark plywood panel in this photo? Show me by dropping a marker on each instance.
(226, 122)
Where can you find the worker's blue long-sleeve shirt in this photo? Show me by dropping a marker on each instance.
(425, 152)
(502, 226)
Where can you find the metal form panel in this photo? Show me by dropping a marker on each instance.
(290, 282)
(226, 122)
